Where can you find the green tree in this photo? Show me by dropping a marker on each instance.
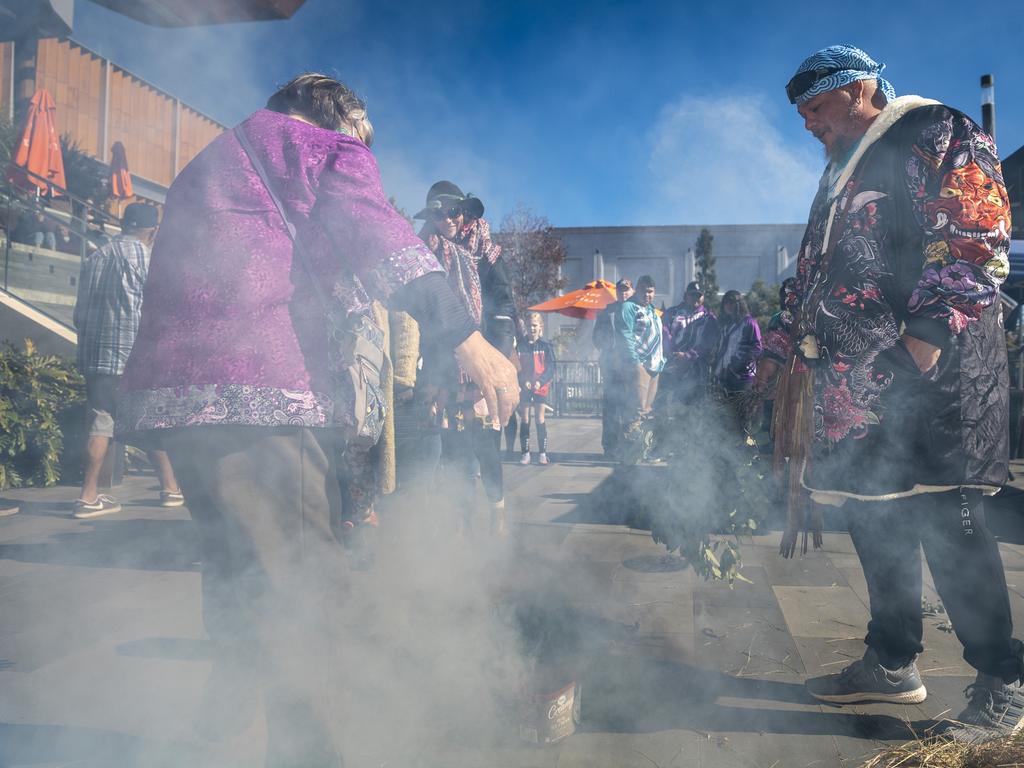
(533, 255)
(704, 260)
(86, 176)
(763, 301)
(9, 136)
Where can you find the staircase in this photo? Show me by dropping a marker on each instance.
(39, 285)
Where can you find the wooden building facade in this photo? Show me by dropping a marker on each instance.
(99, 103)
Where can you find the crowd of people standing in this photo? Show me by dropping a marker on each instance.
(652, 361)
(261, 367)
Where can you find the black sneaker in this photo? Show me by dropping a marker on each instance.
(867, 680)
(994, 709)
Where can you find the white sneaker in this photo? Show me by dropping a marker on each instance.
(172, 499)
(104, 505)
(542, 459)
(526, 458)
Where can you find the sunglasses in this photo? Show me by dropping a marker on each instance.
(447, 213)
(804, 81)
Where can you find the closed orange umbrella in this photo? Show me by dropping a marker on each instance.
(120, 178)
(38, 150)
(584, 303)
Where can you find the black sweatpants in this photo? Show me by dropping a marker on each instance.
(964, 560)
(273, 572)
(613, 406)
(463, 451)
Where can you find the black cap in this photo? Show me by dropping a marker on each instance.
(140, 216)
(694, 287)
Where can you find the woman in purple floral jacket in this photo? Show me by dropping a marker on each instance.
(230, 368)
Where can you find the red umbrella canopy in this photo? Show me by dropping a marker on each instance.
(120, 178)
(38, 155)
(585, 302)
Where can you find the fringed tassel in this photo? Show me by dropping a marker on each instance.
(793, 431)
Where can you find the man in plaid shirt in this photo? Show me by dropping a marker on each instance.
(107, 318)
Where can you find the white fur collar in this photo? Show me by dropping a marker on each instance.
(893, 111)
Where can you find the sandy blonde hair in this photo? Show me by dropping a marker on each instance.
(325, 102)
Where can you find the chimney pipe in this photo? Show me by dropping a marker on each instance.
(988, 105)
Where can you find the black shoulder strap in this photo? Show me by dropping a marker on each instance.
(243, 140)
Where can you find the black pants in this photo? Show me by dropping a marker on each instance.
(263, 500)
(463, 450)
(964, 560)
(613, 406)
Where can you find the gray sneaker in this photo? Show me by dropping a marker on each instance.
(104, 505)
(867, 680)
(994, 709)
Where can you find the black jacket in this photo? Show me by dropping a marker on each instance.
(919, 251)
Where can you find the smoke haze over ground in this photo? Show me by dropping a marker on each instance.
(102, 659)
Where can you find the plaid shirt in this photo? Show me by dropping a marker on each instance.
(109, 304)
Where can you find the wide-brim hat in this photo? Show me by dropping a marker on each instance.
(445, 194)
(440, 196)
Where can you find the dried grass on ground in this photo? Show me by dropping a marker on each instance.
(944, 753)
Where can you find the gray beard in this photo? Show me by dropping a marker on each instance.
(842, 146)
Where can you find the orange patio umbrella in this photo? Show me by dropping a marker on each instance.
(38, 151)
(120, 177)
(584, 303)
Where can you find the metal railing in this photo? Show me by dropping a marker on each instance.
(578, 388)
(16, 202)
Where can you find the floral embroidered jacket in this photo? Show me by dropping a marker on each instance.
(232, 331)
(912, 237)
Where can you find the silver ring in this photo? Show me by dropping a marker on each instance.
(500, 390)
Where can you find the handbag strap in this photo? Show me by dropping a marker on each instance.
(329, 308)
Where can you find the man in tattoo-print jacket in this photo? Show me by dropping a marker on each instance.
(898, 325)
(920, 230)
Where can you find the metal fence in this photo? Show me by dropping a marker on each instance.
(577, 388)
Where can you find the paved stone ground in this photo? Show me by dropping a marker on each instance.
(102, 655)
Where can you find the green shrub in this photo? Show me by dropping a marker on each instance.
(718, 488)
(34, 390)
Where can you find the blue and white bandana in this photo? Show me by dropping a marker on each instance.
(839, 65)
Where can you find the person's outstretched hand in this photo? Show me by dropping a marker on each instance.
(492, 372)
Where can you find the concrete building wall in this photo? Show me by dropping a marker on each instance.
(744, 253)
(1013, 175)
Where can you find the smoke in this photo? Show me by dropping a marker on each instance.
(722, 160)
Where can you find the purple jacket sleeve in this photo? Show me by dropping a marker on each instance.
(376, 241)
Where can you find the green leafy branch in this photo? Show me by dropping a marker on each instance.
(719, 485)
(34, 389)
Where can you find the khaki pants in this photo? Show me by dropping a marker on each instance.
(646, 390)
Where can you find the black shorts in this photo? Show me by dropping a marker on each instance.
(101, 399)
(526, 397)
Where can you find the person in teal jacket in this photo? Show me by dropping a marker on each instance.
(640, 347)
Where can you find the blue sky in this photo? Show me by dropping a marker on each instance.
(591, 113)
